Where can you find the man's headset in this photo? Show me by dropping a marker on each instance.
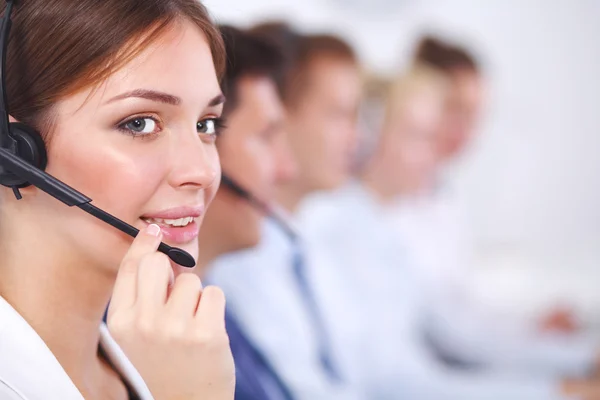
(23, 159)
(272, 213)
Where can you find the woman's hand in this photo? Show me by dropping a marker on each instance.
(172, 332)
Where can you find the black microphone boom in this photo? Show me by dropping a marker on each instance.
(260, 205)
(72, 197)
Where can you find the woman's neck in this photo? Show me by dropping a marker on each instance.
(372, 178)
(61, 296)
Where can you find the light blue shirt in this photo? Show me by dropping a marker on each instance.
(350, 227)
(261, 289)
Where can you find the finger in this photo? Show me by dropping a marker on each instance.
(211, 308)
(185, 295)
(125, 289)
(154, 276)
(146, 242)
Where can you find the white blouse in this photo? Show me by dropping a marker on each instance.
(29, 370)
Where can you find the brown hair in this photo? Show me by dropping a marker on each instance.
(300, 52)
(58, 47)
(444, 56)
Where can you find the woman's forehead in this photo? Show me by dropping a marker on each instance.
(180, 60)
(179, 64)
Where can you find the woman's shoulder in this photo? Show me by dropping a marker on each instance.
(28, 369)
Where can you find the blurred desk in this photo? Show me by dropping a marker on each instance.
(526, 284)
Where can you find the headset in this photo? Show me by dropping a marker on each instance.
(23, 160)
(271, 212)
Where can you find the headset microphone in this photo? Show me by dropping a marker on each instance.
(269, 211)
(23, 160)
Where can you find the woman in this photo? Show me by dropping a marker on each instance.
(403, 162)
(126, 96)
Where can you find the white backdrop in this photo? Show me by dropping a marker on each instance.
(532, 178)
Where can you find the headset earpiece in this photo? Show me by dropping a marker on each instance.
(31, 148)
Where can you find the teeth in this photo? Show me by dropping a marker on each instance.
(179, 222)
(172, 222)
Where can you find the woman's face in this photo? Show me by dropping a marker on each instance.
(142, 147)
(409, 141)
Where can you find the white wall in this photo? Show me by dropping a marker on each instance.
(533, 176)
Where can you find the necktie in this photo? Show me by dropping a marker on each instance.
(255, 379)
(323, 341)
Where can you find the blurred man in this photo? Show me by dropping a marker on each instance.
(459, 328)
(465, 101)
(254, 157)
(283, 293)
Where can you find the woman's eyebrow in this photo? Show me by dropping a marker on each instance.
(152, 95)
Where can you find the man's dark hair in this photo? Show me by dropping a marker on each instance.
(248, 55)
(446, 57)
(299, 52)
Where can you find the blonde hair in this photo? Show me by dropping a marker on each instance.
(385, 101)
(417, 79)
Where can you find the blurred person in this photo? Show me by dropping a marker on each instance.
(408, 138)
(459, 125)
(460, 329)
(466, 97)
(356, 226)
(282, 292)
(254, 156)
(129, 118)
(434, 217)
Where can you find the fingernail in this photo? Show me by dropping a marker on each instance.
(153, 230)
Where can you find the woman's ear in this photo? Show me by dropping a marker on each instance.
(11, 119)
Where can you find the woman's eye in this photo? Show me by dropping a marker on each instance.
(140, 126)
(208, 126)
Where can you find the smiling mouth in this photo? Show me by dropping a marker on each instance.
(173, 223)
(180, 231)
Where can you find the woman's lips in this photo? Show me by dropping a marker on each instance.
(176, 234)
(179, 225)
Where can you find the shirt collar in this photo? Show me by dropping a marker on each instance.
(29, 367)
